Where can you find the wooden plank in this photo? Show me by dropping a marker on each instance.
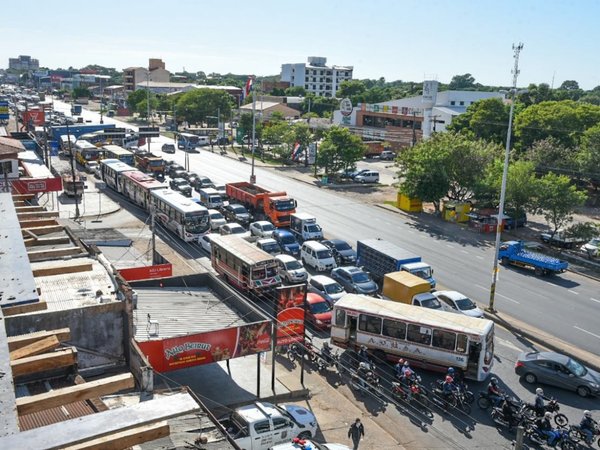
(47, 361)
(38, 255)
(61, 268)
(22, 309)
(28, 208)
(95, 426)
(35, 348)
(23, 196)
(127, 438)
(36, 214)
(40, 227)
(15, 342)
(96, 403)
(72, 394)
(61, 240)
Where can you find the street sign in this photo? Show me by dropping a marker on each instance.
(4, 110)
(115, 133)
(53, 148)
(149, 132)
(346, 107)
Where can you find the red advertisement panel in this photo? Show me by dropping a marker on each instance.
(35, 185)
(290, 314)
(205, 348)
(147, 272)
(35, 117)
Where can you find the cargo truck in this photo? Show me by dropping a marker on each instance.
(406, 288)
(150, 163)
(275, 206)
(380, 257)
(305, 227)
(76, 110)
(515, 253)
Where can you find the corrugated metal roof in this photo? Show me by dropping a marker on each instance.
(34, 165)
(178, 312)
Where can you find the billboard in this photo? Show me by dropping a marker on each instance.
(36, 185)
(4, 110)
(147, 272)
(289, 311)
(205, 348)
(35, 117)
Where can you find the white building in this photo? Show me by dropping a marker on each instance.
(315, 76)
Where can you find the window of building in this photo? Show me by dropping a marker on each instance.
(394, 329)
(462, 103)
(452, 103)
(369, 324)
(418, 334)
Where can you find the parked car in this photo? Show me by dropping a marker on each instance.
(181, 185)
(458, 303)
(355, 280)
(287, 241)
(234, 228)
(343, 253)
(235, 212)
(592, 248)
(205, 241)
(318, 311)
(168, 148)
(370, 176)
(268, 245)
(329, 289)
(387, 155)
(290, 269)
(558, 370)
(350, 174)
(215, 219)
(262, 228)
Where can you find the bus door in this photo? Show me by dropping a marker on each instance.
(352, 327)
(474, 352)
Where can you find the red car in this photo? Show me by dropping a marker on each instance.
(318, 310)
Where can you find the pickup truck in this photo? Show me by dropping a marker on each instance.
(560, 239)
(261, 425)
(515, 253)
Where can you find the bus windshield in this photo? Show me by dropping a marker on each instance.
(90, 155)
(260, 273)
(195, 224)
(155, 163)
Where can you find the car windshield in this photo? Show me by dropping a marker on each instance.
(320, 307)
(239, 210)
(216, 216)
(313, 228)
(576, 368)
(424, 272)
(322, 254)
(431, 303)
(465, 304)
(287, 239)
(237, 230)
(270, 247)
(333, 288)
(341, 246)
(360, 277)
(267, 227)
(293, 265)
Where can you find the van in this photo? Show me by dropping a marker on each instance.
(370, 176)
(317, 256)
(210, 198)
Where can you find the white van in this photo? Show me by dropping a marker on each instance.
(317, 256)
(370, 176)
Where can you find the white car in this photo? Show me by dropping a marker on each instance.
(370, 176)
(458, 303)
(205, 241)
(290, 269)
(309, 444)
(216, 219)
(262, 228)
(234, 228)
(592, 248)
(326, 287)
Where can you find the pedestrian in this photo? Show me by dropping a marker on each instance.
(356, 432)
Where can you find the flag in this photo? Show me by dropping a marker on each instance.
(296, 151)
(248, 87)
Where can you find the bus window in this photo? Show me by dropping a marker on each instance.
(444, 339)
(340, 318)
(419, 334)
(394, 329)
(370, 324)
(461, 343)
(259, 273)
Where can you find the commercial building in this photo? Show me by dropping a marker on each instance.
(23, 62)
(315, 76)
(267, 108)
(155, 71)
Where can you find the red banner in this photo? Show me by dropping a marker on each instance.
(36, 117)
(147, 272)
(205, 348)
(290, 314)
(35, 185)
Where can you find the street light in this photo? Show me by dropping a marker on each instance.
(513, 92)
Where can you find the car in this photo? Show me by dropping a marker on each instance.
(558, 370)
(343, 253)
(262, 228)
(317, 256)
(269, 245)
(326, 287)
(205, 241)
(354, 280)
(561, 239)
(458, 303)
(351, 173)
(591, 248)
(370, 176)
(287, 241)
(180, 185)
(203, 182)
(168, 148)
(387, 155)
(234, 228)
(309, 444)
(220, 188)
(216, 219)
(179, 173)
(290, 269)
(91, 166)
(318, 311)
(235, 212)
(173, 168)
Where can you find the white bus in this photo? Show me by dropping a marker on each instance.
(65, 147)
(110, 172)
(434, 340)
(188, 141)
(180, 214)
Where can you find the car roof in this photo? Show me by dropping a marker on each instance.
(262, 222)
(350, 269)
(212, 211)
(336, 242)
(233, 225)
(550, 356)
(323, 279)
(284, 232)
(178, 180)
(267, 241)
(452, 295)
(313, 297)
(285, 258)
(315, 245)
(235, 205)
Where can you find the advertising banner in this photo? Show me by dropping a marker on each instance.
(205, 348)
(35, 185)
(35, 117)
(147, 272)
(290, 314)
(4, 110)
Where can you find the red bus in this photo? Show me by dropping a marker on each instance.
(137, 186)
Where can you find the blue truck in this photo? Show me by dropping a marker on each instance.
(380, 257)
(515, 253)
(76, 110)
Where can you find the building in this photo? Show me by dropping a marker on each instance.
(23, 62)
(266, 110)
(132, 76)
(315, 76)
(405, 121)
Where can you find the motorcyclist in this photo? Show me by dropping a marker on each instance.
(508, 413)
(399, 369)
(448, 388)
(326, 352)
(363, 373)
(493, 391)
(538, 404)
(455, 374)
(588, 426)
(544, 426)
(363, 355)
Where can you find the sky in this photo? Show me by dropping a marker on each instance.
(395, 39)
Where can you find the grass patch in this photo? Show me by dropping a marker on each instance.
(168, 134)
(391, 203)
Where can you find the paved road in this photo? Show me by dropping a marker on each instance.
(566, 305)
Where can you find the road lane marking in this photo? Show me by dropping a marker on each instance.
(449, 246)
(478, 256)
(573, 292)
(586, 331)
(594, 300)
(465, 252)
(499, 295)
(508, 344)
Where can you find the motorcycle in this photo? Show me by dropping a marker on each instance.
(564, 441)
(577, 436)
(456, 399)
(462, 387)
(370, 383)
(414, 393)
(500, 419)
(298, 351)
(484, 401)
(331, 360)
(560, 419)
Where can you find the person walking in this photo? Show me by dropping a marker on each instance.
(356, 432)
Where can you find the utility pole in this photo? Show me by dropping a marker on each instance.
(414, 129)
(101, 100)
(152, 227)
(517, 50)
(73, 174)
(252, 176)
(148, 103)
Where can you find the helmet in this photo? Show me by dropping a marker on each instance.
(449, 379)
(494, 381)
(363, 347)
(401, 361)
(539, 391)
(362, 365)
(325, 344)
(408, 373)
(548, 415)
(406, 364)
(587, 414)
(450, 370)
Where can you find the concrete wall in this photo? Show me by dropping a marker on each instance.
(96, 331)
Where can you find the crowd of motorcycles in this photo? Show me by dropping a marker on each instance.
(364, 379)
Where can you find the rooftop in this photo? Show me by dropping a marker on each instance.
(33, 164)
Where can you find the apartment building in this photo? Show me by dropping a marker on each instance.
(315, 76)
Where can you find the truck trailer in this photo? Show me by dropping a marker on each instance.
(276, 206)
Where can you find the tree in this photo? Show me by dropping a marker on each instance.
(462, 82)
(351, 89)
(589, 156)
(295, 91)
(81, 92)
(134, 98)
(536, 94)
(339, 150)
(485, 119)
(557, 199)
(569, 85)
(196, 105)
(142, 107)
(549, 155)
